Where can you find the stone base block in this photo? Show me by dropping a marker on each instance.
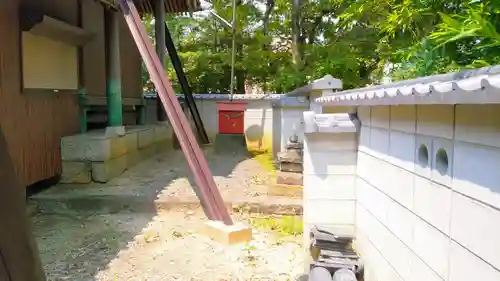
(101, 155)
(290, 167)
(289, 178)
(283, 190)
(228, 234)
(105, 171)
(76, 172)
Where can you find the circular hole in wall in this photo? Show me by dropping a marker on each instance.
(423, 156)
(442, 161)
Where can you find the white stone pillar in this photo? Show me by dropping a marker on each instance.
(330, 157)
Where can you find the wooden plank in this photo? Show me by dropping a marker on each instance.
(19, 258)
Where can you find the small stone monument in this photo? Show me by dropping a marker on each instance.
(290, 162)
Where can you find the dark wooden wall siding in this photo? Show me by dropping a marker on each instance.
(33, 123)
(131, 64)
(94, 53)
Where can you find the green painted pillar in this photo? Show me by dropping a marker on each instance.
(114, 81)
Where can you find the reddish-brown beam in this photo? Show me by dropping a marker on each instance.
(209, 194)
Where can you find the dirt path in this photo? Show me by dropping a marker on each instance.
(83, 245)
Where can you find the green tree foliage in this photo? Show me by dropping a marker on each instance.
(283, 44)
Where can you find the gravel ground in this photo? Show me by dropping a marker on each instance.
(124, 245)
(168, 246)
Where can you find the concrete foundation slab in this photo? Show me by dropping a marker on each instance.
(228, 234)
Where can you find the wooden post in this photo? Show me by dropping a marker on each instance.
(19, 258)
(114, 83)
(159, 11)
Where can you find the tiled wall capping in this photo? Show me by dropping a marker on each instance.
(329, 123)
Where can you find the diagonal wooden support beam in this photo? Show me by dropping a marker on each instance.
(19, 258)
(210, 196)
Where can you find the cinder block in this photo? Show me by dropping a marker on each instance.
(421, 271)
(228, 234)
(402, 150)
(330, 163)
(379, 143)
(364, 167)
(475, 172)
(477, 227)
(324, 211)
(403, 118)
(364, 139)
(380, 117)
(399, 256)
(435, 120)
(465, 266)
(335, 187)
(105, 171)
(373, 200)
(331, 142)
(432, 246)
(364, 115)
(75, 172)
(400, 185)
(478, 124)
(432, 202)
(362, 221)
(401, 222)
(379, 236)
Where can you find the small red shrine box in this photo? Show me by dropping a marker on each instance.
(231, 117)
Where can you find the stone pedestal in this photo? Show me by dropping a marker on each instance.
(290, 163)
(100, 156)
(228, 234)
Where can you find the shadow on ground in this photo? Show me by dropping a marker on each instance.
(80, 229)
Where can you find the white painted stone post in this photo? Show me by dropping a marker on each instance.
(330, 156)
(320, 88)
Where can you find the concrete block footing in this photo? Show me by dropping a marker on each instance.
(228, 234)
(289, 178)
(101, 155)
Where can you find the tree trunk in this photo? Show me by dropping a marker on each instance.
(19, 258)
(269, 8)
(296, 37)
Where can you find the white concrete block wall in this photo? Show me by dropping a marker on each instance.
(258, 122)
(329, 180)
(428, 192)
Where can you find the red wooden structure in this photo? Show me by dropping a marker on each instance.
(231, 117)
